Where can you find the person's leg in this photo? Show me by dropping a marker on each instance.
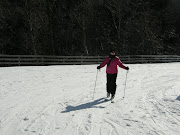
(108, 84)
(113, 84)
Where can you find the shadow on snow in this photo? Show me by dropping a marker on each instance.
(178, 98)
(85, 106)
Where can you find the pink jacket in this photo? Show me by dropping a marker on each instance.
(112, 68)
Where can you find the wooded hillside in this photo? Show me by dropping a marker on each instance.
(88, 27)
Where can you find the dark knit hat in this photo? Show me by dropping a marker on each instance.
(112, 50)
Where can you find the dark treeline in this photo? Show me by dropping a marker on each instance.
(88, 27)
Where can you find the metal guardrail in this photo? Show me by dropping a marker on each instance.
(42, 60)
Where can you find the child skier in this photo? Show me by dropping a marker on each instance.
(111, 61)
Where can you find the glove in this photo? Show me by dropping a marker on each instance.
(98, 67)
(127, 68)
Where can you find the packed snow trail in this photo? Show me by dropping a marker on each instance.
(58, 100)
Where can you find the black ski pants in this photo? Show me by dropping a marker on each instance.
(111, 83)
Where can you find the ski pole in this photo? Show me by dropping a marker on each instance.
(95, 83)
(125, 83)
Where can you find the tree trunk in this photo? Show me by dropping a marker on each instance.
(31, 27)
(84, 33)
(50, 26)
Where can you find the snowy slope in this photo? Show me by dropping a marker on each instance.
(58, 100)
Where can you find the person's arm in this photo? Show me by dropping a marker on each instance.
(103, 63)
(120, 64)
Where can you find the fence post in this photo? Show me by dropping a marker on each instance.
(142, 59)
(42, 61)
(81, 59)
(19, 61)
(37, 60)
(98, 59)
(129, 59)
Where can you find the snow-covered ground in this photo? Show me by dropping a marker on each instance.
(58, 100)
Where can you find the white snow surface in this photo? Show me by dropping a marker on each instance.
(58, 100)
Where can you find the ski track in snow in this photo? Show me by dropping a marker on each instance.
(58, 100)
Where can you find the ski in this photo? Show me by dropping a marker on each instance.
(107, 99)
(112, 101)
